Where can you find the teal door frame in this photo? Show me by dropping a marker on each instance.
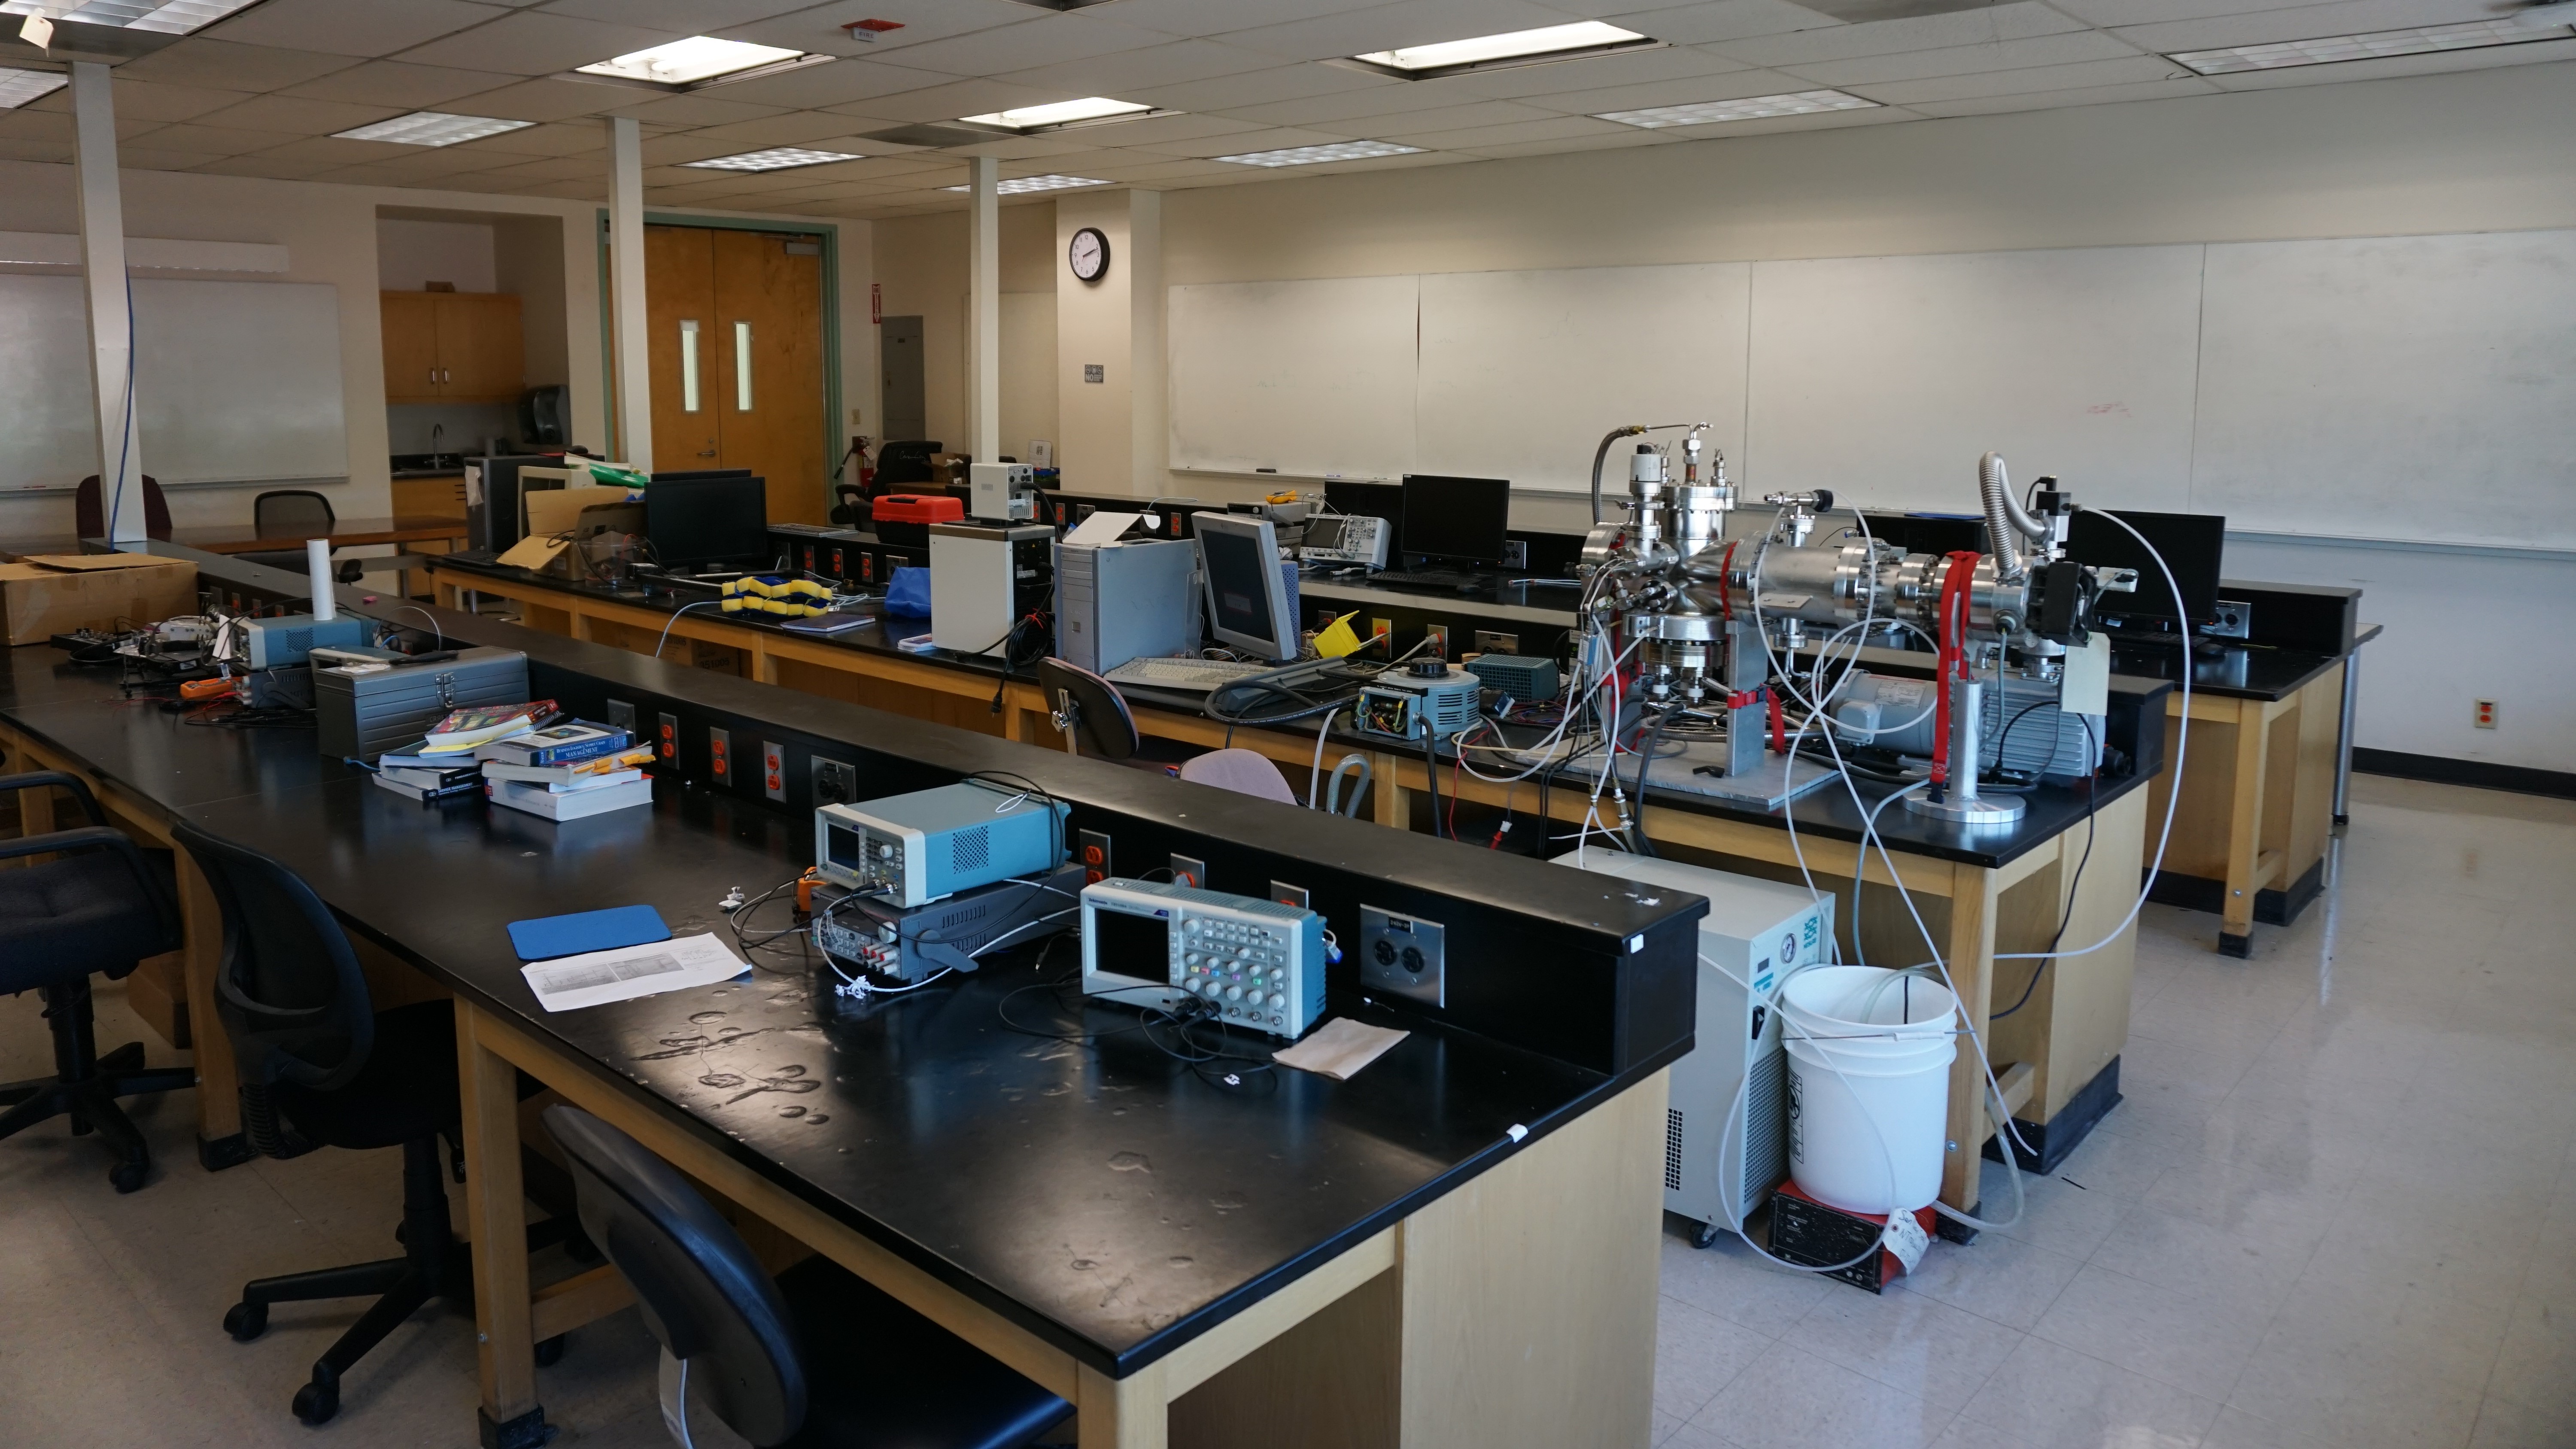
(831, 235)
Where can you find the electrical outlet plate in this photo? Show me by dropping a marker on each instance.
(666, 740)
(1093, 847)
(720, 754)
(773, 771)
(1516, 553)
(835, 781)
(621, 715)
(2484, 716)
(1189, 870)
(1495, 641)
(1439, 639)
(1288, 895)
(1403, 955)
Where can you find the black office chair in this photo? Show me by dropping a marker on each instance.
(852, 510)
(1090, 709)
(882, 1376)
(89, 509)
(321, 1067)
(298, 513)
(101, 907)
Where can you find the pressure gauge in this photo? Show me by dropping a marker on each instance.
(1088, 254)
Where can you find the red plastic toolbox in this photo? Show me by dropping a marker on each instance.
(905, 518)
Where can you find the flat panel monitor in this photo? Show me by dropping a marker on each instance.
(1247, 592)
(1462, 520)
(1372, 500)
(2193, 545)
(697, 522)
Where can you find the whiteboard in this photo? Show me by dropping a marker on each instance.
(1522, 372)
(2403, 387)
(1309, 378)
(234, 382)
(1886, 378)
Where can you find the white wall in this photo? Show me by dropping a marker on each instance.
(412, 254)
(2475, 151)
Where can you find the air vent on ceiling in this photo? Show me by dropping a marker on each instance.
(928, 136)
(1856, 12)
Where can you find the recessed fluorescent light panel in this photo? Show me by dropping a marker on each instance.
(1751, 108)
(776, 158)
(1315, 155)
(688, 62)
(432, 128)
(166, 17)
(17, 87)
(1518, 47)
(1019, 184)
(1057, 114)
(2327, 50)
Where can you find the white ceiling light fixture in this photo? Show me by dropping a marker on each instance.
(163, 17)
(1489, 52)
(1751, 108)
(2370, 45)
(1057, 115)
(17, 87)
(1316, 155)
(776, 158)
(432, 128)
(1020, 184)
(699, 61)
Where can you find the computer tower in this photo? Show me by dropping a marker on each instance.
(984, 579)
(1123, 601)
(1755, 932)
(493, 519)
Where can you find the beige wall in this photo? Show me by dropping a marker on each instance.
(1114, 428)
(921, 263)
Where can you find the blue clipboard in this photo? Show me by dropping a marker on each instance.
(547, 937)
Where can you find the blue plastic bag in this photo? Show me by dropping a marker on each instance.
(909, 593)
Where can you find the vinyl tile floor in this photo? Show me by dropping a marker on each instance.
(2332, 1213)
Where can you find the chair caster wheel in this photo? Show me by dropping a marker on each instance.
(126, 1176)
(1704, 1235)
(316, 1402)
(550, 1351)
(246, 1321)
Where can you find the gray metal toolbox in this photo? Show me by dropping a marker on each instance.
(367, 709)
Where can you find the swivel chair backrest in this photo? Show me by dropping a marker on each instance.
(89, 509)
(704, 1296)
(285, 511)
(289, 989)
(1090, 708)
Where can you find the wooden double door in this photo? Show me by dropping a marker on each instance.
(736, 321)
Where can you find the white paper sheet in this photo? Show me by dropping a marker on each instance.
(595, 978)
(1101, 528)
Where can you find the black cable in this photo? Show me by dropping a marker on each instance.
(1431, 774)
(1637, 817)
(2092, 792)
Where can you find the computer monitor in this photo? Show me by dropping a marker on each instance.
(694, 474)
(698, 521)
(1247, 589)
(1372, 500)
(1462, 520)
(2193, 545)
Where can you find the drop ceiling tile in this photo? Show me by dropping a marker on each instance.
(1629, 137)
(546, 168)
(1732, 85)
(1392, 26)
(1812, 121)
(1156, 128)
(56, 152)
(1218, 17)
(215, 140)
(693, 111)
(1022, 148)
(1072, 35)
(2490, 58)
(1477, 138)
(545, 100)
(791, 128)
(2051, 100)
(298, 117)
(27, 125)
(352, 27)
(819, 29)
(148, 101)
(561, 138)
(1283, 81)
(568, 190)
(274, 168)
(1886, 37)
(1718, 20)
(533, 42)
(1383, 100)
(889, 168)
(139, 158)
(1634, 67)
(688, 17)
(223, 65)
(1276, 138)
(956, 98)
(2151, 12)
(1438, 118)
(335, 150)
(392, 83)
(2020, 82)
(1122, 72)
(2073, 46)
(685, 147)
(2306, 22)
(839, 83)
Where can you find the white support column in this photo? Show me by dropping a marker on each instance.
(111, 309)
(984, 309)
(1148, 438)
(633, 383)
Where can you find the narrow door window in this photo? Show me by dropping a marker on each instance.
(742, 367)
(688, 367)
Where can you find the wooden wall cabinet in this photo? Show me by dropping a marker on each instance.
(452, 347)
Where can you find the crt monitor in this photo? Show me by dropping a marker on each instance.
(694, 522)
(2193, 545)
(1247, 592)
(1457, 519)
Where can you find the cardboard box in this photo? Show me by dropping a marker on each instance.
(47, 594)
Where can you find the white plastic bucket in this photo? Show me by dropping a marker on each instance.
(1869, 1086)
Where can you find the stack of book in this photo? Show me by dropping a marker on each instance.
(566, 771)
(428, 777)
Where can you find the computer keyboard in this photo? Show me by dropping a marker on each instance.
(1193, 674)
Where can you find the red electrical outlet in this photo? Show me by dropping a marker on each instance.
(2486, 712)
(773, 770)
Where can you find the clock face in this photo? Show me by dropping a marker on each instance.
(1088, 254)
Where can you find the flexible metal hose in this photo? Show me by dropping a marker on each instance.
(2006, 524)
(1601, 455)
